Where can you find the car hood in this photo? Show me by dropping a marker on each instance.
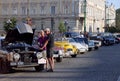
(22, 33)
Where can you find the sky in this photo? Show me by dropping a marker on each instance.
(115, 2)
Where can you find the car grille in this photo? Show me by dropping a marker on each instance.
(69, 49)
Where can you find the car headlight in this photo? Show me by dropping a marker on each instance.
(39, 55)
(16, 56)
(11, 56)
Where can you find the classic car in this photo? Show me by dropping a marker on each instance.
(69, 50)
(18, 44)
(82, 48)
(83, 42)
(91, 45)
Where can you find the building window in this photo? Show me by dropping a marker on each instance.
(66, 9)
(33, 10)
(14, 10)
(42, 10)
(24, 10)
(52, 10)
(5, 10)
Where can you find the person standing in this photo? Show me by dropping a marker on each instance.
(49, 48)
(41, 42)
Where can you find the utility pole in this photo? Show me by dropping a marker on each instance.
(85, 6)
(28, 2)
(105, 25)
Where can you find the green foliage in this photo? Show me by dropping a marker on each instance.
(61, 27)
(9, 24)
(118, 18)
(113, 29)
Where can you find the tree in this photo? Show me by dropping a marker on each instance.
(118, 18)
(61, 27)
(9, 24)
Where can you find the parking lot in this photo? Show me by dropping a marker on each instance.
(101, 65)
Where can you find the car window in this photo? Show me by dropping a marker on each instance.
(72, 40)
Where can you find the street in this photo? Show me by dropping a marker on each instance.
(100, 65)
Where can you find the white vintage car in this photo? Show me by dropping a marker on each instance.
(80, 46)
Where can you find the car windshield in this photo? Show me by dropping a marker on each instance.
(118, 35)
(71, 40)
(81, 40)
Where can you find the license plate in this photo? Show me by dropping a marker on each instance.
(42, 61)
(55, 55)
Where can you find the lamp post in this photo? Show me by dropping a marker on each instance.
(66, 23)
(52, 24)
(42, 26)
(28, 2)
(85, 5)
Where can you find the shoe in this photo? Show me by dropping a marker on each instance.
(50, 70)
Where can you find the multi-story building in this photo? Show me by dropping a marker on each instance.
(110, 15)
(49, 13)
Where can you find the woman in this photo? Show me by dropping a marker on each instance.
(41, 41)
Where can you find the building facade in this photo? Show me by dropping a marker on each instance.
(110, 15)
(49, 13)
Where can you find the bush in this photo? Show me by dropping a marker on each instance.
(9, 24)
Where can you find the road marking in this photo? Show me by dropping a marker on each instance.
(118, 79)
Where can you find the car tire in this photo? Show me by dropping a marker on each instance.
(40, 67)
(96, 48)
(59, 59)
(74, 56)
(90, 49)
(82, 52)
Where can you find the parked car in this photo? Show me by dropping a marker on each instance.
(82, 42)
(91, 45)
(98, 39)
(117, 37)
(18, 44)
(108, 40)
(69, 50)
(80, 46)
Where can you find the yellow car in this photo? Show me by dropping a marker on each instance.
(69, 50)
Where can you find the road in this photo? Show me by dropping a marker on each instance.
(101, 65)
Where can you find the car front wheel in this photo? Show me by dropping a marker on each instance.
(40, 67)
(74, 56)
(59, 59)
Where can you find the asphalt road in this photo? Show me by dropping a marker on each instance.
(101, 65)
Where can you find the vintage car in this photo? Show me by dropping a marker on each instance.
(69, 50)
(82, 48)
(18, 44)
(19, 49)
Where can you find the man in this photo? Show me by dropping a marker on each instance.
(49, 49)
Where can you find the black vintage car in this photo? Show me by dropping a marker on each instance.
(20, 51)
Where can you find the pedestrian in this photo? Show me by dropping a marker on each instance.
(49, 49)
(41, 42)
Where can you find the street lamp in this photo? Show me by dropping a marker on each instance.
(52, 24)
(66, 23)
(85, 5)
(42, 26)
(28, 2)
